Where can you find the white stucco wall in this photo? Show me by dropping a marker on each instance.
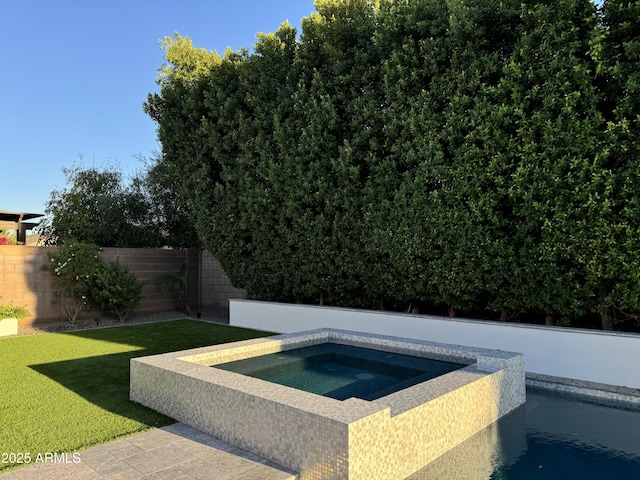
(595, 356)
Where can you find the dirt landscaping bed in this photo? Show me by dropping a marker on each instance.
(217, 315)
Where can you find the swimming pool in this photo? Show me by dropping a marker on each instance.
(554, 436)
(342, 371)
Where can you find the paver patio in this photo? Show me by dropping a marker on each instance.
(176, 452)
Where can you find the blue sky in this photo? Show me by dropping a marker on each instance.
(75, 74)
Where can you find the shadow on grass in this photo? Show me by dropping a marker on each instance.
(103, 379)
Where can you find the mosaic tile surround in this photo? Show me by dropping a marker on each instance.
(324, 438)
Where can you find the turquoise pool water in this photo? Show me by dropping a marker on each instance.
(553, 437)
(342, 371)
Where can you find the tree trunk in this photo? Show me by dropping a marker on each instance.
(549, 320)
(185, 302)
(321, 298)
(381, 305)
(504, 316)
(605, 318)
(452, 310)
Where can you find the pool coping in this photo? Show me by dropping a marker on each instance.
(584, 388)
(478, 361)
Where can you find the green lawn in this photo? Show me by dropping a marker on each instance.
(66, 392)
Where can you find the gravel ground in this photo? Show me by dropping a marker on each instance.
(214, 315)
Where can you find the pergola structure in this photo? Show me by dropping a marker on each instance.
(18, 221)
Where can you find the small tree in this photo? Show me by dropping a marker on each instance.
(176, 282)
(74, 267)
(116, 290)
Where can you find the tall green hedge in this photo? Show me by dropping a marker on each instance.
(475, 154)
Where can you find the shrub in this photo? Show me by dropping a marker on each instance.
(8, 237)
(116, 289)
(13, 311)
(82, 278)
(74, 267)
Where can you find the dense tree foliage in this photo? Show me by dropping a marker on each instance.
(100, 206)
(96, 208)
(476, 154)
(168, 213)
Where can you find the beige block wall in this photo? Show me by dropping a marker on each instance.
(217, 289)
(24, 282)
(149, 265)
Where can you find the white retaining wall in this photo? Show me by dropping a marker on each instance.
(594, 356)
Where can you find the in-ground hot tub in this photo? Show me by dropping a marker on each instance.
(388, 437)
(342, 371)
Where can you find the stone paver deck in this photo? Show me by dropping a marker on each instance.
(176, 452)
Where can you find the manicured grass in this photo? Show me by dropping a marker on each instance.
(66, 392)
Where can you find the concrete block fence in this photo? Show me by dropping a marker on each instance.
(216, 288)
(24, 282)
